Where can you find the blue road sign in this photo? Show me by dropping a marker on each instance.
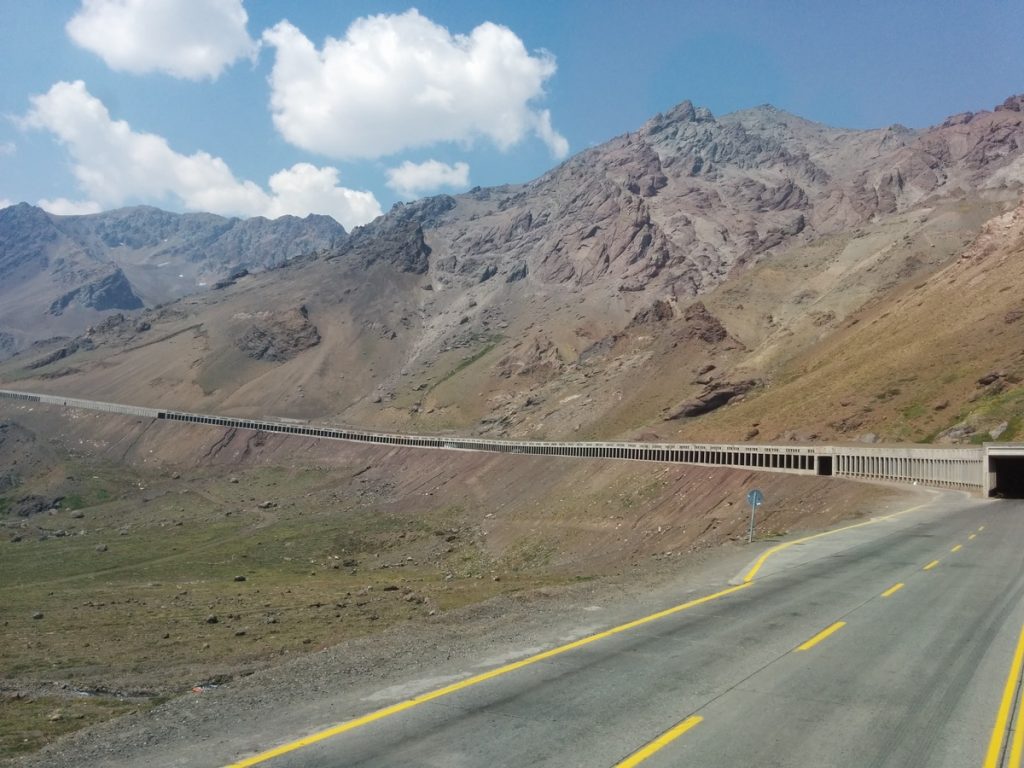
(755, 499)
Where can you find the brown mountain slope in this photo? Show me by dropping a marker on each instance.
(566, 307)
(940, 359)
(552, 368)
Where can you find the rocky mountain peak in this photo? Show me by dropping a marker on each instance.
(676, 207)
(684, 112)
(1012, 104)
(23, 213)
(426, 211)
(26, 231)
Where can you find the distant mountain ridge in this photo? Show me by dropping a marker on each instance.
(79, 268)
(677, 205)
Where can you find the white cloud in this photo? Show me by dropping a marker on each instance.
(401, 81)
(304, 188)
(190, 39)
(64, 207)
(5, 203)
(556, 142)
(115, 164)
(414, 179)
(7, 148)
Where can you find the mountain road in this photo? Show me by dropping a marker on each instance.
(885, 643)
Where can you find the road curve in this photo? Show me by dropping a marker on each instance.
(896, 649)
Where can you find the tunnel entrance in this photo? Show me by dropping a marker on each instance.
(1007, 476)
(825, 465)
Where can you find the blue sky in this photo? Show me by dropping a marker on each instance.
(447, 113)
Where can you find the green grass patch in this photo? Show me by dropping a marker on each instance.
(75, 501)
(915, 411)
(1013, 430)
(28, 724)
(94, 486)
(125, 595)
(528, 554)
(490, 342)
(1005, 407)
(121, 595)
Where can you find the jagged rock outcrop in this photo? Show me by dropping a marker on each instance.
(537, 357)
(397, 238)
(27, 506)
(75, 345)
(699, 323)
(279, 336)
(110, 292)
(659, 312)
(398, 243)
(713, 396)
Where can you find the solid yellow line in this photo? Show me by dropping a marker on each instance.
(1016, 747)
(380, 714)
(779, 547)
(821, 636)
(931, 565)
(971, 537)
(957, 548)
(893, 589)
(661, 742)
(995, 743)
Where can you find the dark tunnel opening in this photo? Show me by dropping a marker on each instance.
(825, 465)
(1008, 476)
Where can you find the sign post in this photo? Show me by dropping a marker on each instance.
(755, 499)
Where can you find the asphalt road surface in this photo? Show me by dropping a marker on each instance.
(875, 646)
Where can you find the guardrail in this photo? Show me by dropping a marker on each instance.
(964, 468)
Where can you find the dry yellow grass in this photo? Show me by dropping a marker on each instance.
(908, 365)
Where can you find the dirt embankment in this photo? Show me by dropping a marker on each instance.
(588, 513)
